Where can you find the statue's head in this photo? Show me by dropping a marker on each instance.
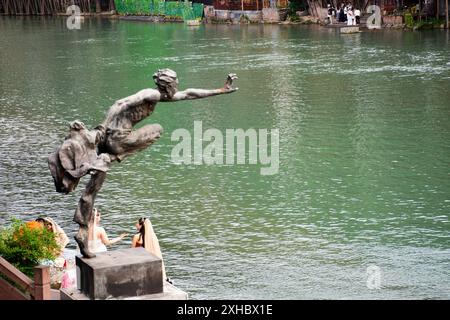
(167, 81)
(79, 131)
(77, 125)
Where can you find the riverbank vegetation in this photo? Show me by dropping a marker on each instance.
(26, 244)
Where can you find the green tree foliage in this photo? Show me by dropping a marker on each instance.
(294, 6)
(25, 245)
(179, 9)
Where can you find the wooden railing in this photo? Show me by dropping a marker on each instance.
(39, 289)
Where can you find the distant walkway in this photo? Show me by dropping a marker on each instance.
(335, 24)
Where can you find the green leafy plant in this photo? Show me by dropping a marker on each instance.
(409, 21)
(293, 7)
(26, 244)
(244, 19)
(427, 23)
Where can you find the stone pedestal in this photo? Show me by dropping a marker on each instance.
(129, 272)
(170, 292)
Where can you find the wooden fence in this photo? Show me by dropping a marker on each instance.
(49, 7)
(39, 289)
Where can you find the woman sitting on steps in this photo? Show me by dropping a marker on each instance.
(146, 238)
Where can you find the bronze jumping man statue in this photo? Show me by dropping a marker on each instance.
(93, 151)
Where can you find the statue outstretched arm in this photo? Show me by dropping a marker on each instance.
(190, 94)
(145, 95)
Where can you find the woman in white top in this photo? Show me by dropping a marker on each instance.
(98, 239)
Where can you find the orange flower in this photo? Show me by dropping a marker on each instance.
(33, 225)
(30, 225)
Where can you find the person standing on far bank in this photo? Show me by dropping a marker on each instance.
(357, 16)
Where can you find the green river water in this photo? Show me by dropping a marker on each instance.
(364, 131)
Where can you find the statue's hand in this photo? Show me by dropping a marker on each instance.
(229, 83)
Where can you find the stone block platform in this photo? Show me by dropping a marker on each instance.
(131, 273)
(349, 29)
(170, 292)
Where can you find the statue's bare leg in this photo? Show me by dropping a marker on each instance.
(83, 214)
(135, 141)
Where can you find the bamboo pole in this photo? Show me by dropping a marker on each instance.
(44, 7)
(420, 11)
(49, 7)
(27, 7)
(15, 7)
(446, 14)
(34, 8)
(59, 6)
(437, 9)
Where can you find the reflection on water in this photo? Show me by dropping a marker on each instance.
(364, 149)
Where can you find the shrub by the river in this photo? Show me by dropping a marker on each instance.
(26, 244)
